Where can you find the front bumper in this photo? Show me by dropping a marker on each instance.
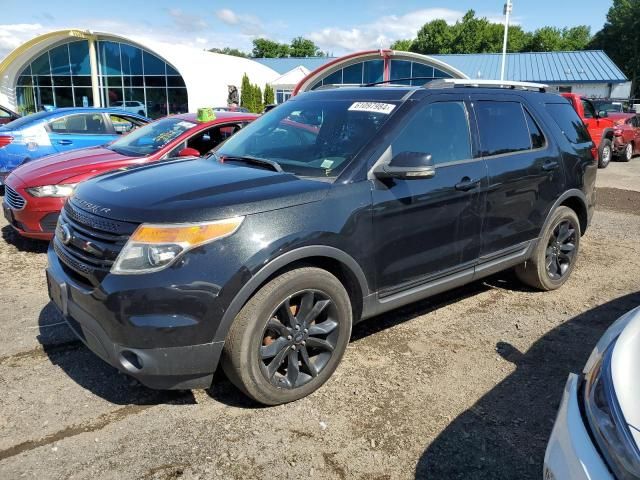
(571, 452)
(166, 367)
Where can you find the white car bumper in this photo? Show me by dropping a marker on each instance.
(570, 453)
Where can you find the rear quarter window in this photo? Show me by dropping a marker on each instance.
(567, 119)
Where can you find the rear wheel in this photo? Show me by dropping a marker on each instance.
(555, 255)
(289, 338)
(605, 153)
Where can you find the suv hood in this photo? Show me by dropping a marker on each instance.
(189, 190)
(59, 167)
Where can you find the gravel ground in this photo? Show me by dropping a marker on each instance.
(464, 385)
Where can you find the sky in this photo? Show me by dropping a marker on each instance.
(337, 27)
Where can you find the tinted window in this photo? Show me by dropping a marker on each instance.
(569, 122)
(152, 137)
(124, 124)
(589, 110)
(537, 138)
(503, 128)
(440, 129)
(92, 123)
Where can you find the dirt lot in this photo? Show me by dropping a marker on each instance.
(464, 385)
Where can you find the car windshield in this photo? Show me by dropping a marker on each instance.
(24, 121)
(310, 138)
(152, 137)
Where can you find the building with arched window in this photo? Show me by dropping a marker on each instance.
(78, 68)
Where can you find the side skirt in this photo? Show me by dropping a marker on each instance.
(375, 304)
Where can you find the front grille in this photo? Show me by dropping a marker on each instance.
(92, 242)
(13, 198)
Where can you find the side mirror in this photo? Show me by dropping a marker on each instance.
(603, 114)
(408, 166)
(188, 152)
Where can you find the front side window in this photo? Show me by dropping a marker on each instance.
(152, 137)
(314, 138)
(124, 124)
(567, 119)
(589, 109)
(440, 129)
(90, 124)
(503, 128)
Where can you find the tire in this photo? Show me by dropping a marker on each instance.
(605, 153)
(554, 257)
(627, 154)
(141, 113)
(264, 332)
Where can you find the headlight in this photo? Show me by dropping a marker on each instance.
(62, 190)
(607, 422)
(154, 247)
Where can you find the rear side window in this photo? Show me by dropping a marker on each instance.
(567, 119)
(503, 128)
(440, 129)
(537, 138)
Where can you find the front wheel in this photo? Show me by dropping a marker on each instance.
(290, 337)
(628, 153)
(555, 256)
(605, 154)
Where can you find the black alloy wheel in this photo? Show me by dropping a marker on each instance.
(299, 339)
(561, 250)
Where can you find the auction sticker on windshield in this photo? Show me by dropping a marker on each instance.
(375, 107)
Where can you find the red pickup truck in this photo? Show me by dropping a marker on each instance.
(601, 127)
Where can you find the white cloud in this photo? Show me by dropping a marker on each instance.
(13, 35)
(247, 24)
(385, 30)
(187, 22)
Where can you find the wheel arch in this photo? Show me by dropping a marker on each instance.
(608, 134)
(335, 261)
(576, 201)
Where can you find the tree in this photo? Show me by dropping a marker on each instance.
(264, 48)
(576, 38)
(246, 96)
(620, 39)
(269, 95)
(546, 39)
(302, 47)
(402, 45)
(433, 37)
(230, 51)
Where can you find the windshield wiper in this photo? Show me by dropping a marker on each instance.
(251, 160)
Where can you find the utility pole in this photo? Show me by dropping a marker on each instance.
(507, 11)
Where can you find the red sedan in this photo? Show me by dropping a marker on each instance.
(626, 133)
(36, 191)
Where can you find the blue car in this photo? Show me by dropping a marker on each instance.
(46, 133)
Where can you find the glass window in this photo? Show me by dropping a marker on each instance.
(440, 74)
(42, 80)
(79, 55)
(83, 96)
(62, 81)
(589, 110)
(503, 128)
(152, 137)
(64, 97)
(373, 71)
(569, 122)
(81, 81)
(537, 138)
(334, 79)
(25, 80)
(309, 138)
(400, 69)
(352, 74)
(158, 81)
(153, 65)
(40, 66)
(59, 57)
(123, 124)
(431, 124)
(135, 81)
(112, 95)
(131, 60)
(110, 58)
(44, 97)
(175, 82)
(156, 102)
(423, 72)
(177, 100)
(113, 81)
(91, 124)
(171, 70)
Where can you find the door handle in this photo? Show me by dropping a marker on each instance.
(65, 142)
(467, 184)
(549, 166)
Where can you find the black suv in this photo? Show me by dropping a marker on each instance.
(336, 206)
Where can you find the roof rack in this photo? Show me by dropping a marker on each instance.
(459, 82)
